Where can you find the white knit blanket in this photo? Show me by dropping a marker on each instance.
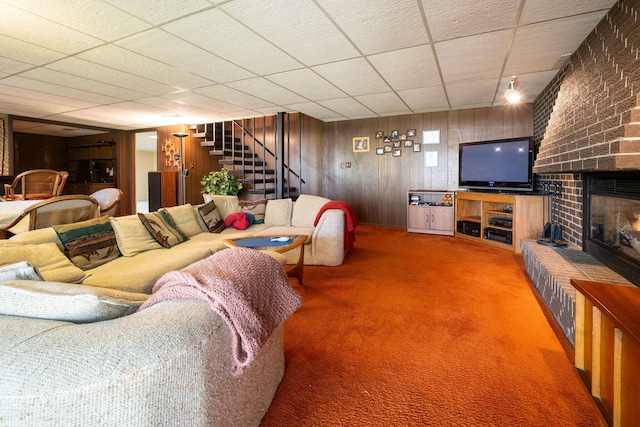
(247, 288)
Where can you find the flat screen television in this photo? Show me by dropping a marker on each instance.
(501, 165)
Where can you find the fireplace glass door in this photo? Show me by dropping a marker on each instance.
(615, 225)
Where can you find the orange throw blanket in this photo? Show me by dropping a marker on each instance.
(248, 289)
(350, 223)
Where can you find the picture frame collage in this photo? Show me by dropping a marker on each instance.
(396, 142)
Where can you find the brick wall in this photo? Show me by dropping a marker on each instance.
(588, 117)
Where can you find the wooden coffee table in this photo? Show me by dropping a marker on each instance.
(268, 243)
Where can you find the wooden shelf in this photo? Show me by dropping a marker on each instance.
(525, 212)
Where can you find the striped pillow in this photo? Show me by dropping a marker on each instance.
(162, 229)
(257, 208)
(90, 243)
(211, 216)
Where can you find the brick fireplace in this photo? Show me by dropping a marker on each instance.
(587, 120)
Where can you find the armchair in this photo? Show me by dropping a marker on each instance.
(36, 184)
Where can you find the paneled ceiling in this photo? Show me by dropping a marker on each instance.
(137, 64)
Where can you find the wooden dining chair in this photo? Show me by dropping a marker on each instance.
(36, 184)
(109, 200)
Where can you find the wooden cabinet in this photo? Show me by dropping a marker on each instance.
(163, 189)
(427, 214)
(85, 188)
(92, 162)
(499, 220)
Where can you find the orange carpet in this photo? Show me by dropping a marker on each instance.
(417, 330)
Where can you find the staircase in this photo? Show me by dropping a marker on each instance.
(256, 151)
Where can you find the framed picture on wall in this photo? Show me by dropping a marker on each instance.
(379, 134)
(416, 148)
(394, 134)
(411, 133)
(408, 143)
(397, 153)
(380, 150)
(360, 144)
(396, 144)
(387, 148)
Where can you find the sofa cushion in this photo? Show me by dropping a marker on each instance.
(23, 270)
(132, 236)
(211, 217)
(185, 218)
(90, 243)
(278, 212)
(46, 257)
(162, 228)
(226, 204)
(306, 208)
(64, 301)
(41, 235)
(257, 208)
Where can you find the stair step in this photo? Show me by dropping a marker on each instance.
(257, 181)
(216, 152)
(252, 171)
(199, 135)
(239, 154)
(242, 162)
(208, 143)
(271, 191)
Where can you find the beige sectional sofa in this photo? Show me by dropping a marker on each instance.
(168, 365)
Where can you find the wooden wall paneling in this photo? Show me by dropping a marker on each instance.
(480, 130)
(311, 146)
(412, 176)
(395, 170)
(522, 122)
(495, 124)
(440, 174)
(126, 152)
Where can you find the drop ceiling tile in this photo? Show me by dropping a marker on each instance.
(353, 76)
(472, 94)
(384, 104)
(306, 83)
(310, 36)
(92, 17)
(201, 101)
(232, 96)
(347, 107)
(27, 52)
(21, 25)
(28, 84)
(158, 12)
(105, 115)
(65, 101)
(315, 110)
(389, 25)
(474, 57)
(407, 68)
(100, 73)
(266, 90)
(222, 35)
(542, 10)
(167, 48)
(72, 82)
(35, 107)
(10, 66)
(449, 19)
(425, 99)
(129, 62)
(537, 47)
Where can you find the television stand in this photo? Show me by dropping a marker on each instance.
(498, 220)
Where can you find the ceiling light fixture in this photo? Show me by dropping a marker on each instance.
(511, 95)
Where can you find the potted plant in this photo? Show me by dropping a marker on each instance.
(220, 183)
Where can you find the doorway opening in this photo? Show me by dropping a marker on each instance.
(146, 160)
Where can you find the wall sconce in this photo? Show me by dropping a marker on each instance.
(511, 95)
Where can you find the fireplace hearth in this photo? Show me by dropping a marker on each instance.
(612, 221)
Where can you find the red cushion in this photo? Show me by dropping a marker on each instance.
(237, 220)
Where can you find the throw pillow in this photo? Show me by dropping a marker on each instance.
(67, 302)
(278, 212)
(162, 229)
(306, 208)
(256, 208)
(20, 271)
(90, 243)
(52, 264)
(132, 236)
(211, 217)
(185, 218)
(239, 220)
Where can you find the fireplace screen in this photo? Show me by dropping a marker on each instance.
(615, 224)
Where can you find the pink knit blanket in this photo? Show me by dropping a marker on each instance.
(247, 288)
